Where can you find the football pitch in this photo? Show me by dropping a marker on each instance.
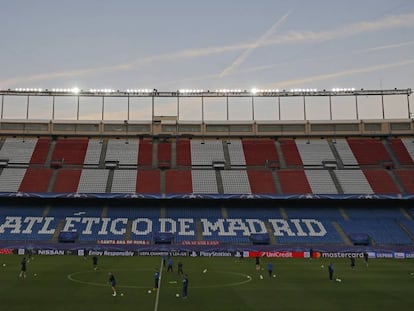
(71, 283)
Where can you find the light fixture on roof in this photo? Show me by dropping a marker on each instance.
(254, 90)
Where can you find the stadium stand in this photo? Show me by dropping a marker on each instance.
(204, 181)
(93, 152)
(313, 152)
(67, 180)
(206, 152)
(178, 181)
(40, 152)
(353, 182)
(403, 150)
(183, 152)
(18, 150)
(345, 153)
(294, 182)
(36, 179)
(93, 181)
(164, 154)
(148, 181)
(409, 146)
(407, 179)
(381, 231)
(321, 182)
(236, 153)
(235, 182)
(125, 152)
(145, 152)
(258, 152)
(369, 151)
(290, 153)
(261, 182)
(70, 150)
(124, 181)
(381, 181)
(11, 178)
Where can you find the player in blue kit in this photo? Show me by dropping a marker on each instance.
(156, 279)
(170, 265)
(270, 269)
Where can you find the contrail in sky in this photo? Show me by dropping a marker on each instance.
(271, 66)
(255, 45)
(390, 22)
(301, 81)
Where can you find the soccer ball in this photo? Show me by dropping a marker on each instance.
(322, 266)
(205, 271)
(4, 265)
(274, 275)
(338, 280)
(122, 294)
(177, 295)
(149, 291)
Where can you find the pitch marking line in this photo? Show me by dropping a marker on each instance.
(71, 277)
(159, 289)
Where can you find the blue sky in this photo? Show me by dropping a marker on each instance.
(171, 45)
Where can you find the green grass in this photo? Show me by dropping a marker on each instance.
(300, 284)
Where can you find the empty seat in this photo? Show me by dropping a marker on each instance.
(93, 152)
(321, 182)
(125, 152)
(236, 153)
(93, 181)
(204, 181)
(353, 182)
(18, 150)
(11, 178)
(124, 181)
(314, 151)
(204, 153)
(235, 182)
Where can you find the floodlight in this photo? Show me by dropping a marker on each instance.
(75, 90)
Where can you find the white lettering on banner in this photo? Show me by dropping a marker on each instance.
(50, 252)
(185, 226)
(299, 230)
(172, 226)
(89, 221)
(30, 223)
(280, 226)
(119, 253)
(181, 226)
(237, 225)
(254, 223)
(146, 231)
(95, 253)
(208, 227)
(46, 225)
(121, 231)
(311, 224)
(69, 226)
(104, 228)
(11, 222)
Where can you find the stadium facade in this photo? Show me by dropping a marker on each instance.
(214, 186)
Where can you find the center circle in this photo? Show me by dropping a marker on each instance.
(76, 277)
